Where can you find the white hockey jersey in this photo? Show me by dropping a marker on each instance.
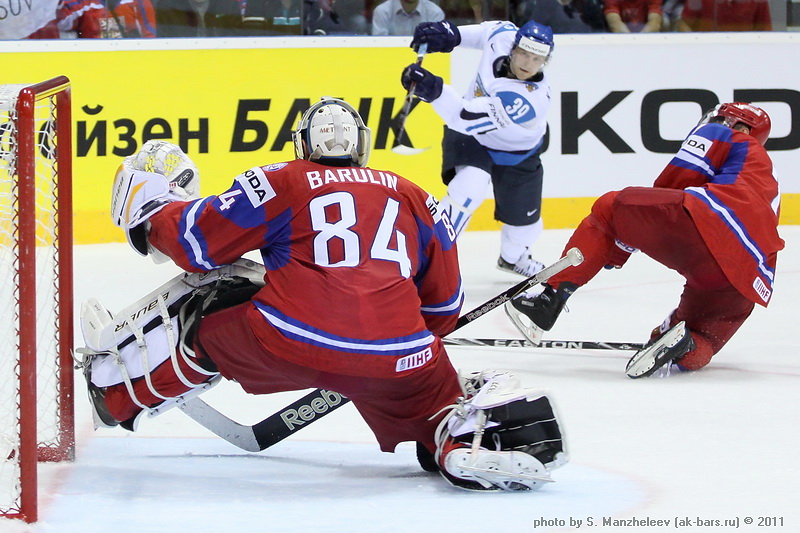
(507, 116)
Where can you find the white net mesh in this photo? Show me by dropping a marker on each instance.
(46, 200)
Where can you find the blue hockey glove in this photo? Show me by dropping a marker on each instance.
(428, 86)
(441, 36)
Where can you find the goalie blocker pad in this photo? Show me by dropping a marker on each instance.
(130, 344)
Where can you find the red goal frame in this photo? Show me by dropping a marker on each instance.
(30, 450)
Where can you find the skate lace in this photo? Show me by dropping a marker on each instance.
(469, 387)
(528, 266)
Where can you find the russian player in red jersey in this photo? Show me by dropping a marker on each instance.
(712, 215)
(360, 282)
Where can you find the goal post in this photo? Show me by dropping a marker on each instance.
(36, 290)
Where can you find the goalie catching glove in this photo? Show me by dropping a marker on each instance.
(503, 437)
(158, 174)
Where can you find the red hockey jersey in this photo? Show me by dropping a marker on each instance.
(362, 267)
(734, 200)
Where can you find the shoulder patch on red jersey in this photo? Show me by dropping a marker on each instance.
(256, 186)
(697, 145)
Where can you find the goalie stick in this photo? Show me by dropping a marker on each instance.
(321, 402)
(562, 345)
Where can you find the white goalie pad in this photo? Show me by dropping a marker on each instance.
(503, 437)
(493, 470)
(133, 342)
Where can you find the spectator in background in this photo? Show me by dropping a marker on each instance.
(400, 17)
(273, 17)
(199, 18)
(565, 16)
(467, 11)
(334, 17)
(633, 16)
(89, 19)
(725, 15)
(38, 21)
(136, 18)
(671, 14)
(320, 17)
(85, 19)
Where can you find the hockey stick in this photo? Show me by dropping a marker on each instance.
(320, 402)
(272, 429)
(399, 147)
(561, 345)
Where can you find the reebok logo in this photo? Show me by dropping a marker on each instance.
(307, 412)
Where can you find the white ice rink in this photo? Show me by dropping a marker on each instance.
(721, 444)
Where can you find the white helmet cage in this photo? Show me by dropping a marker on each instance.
(332, 131)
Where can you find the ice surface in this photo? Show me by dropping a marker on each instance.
(720, 444)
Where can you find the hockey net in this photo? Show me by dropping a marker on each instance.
(36, 317)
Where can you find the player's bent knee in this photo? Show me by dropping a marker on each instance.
(700, 356)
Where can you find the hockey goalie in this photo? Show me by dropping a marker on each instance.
(358, 285)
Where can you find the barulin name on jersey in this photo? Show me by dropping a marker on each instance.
(353, 175)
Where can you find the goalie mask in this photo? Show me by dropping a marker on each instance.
(735, 113)
(331, 132)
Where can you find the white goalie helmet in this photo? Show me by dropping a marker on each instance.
(332, 132)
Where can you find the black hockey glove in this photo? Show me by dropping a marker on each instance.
(441, 36)
(428, 86)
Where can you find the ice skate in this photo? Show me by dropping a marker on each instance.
(101, 416)
(526, 266)
(669, 347)
(533, 315)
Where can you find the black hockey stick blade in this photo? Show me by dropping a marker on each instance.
(557, 344)
(272, 429)
(320, 402)
(295, 416)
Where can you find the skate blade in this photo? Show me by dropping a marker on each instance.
(529, 330)
(649, 359)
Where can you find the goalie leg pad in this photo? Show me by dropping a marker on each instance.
(123, 351)
(503, 437)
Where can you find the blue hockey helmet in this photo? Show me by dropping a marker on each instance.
(535, 38)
